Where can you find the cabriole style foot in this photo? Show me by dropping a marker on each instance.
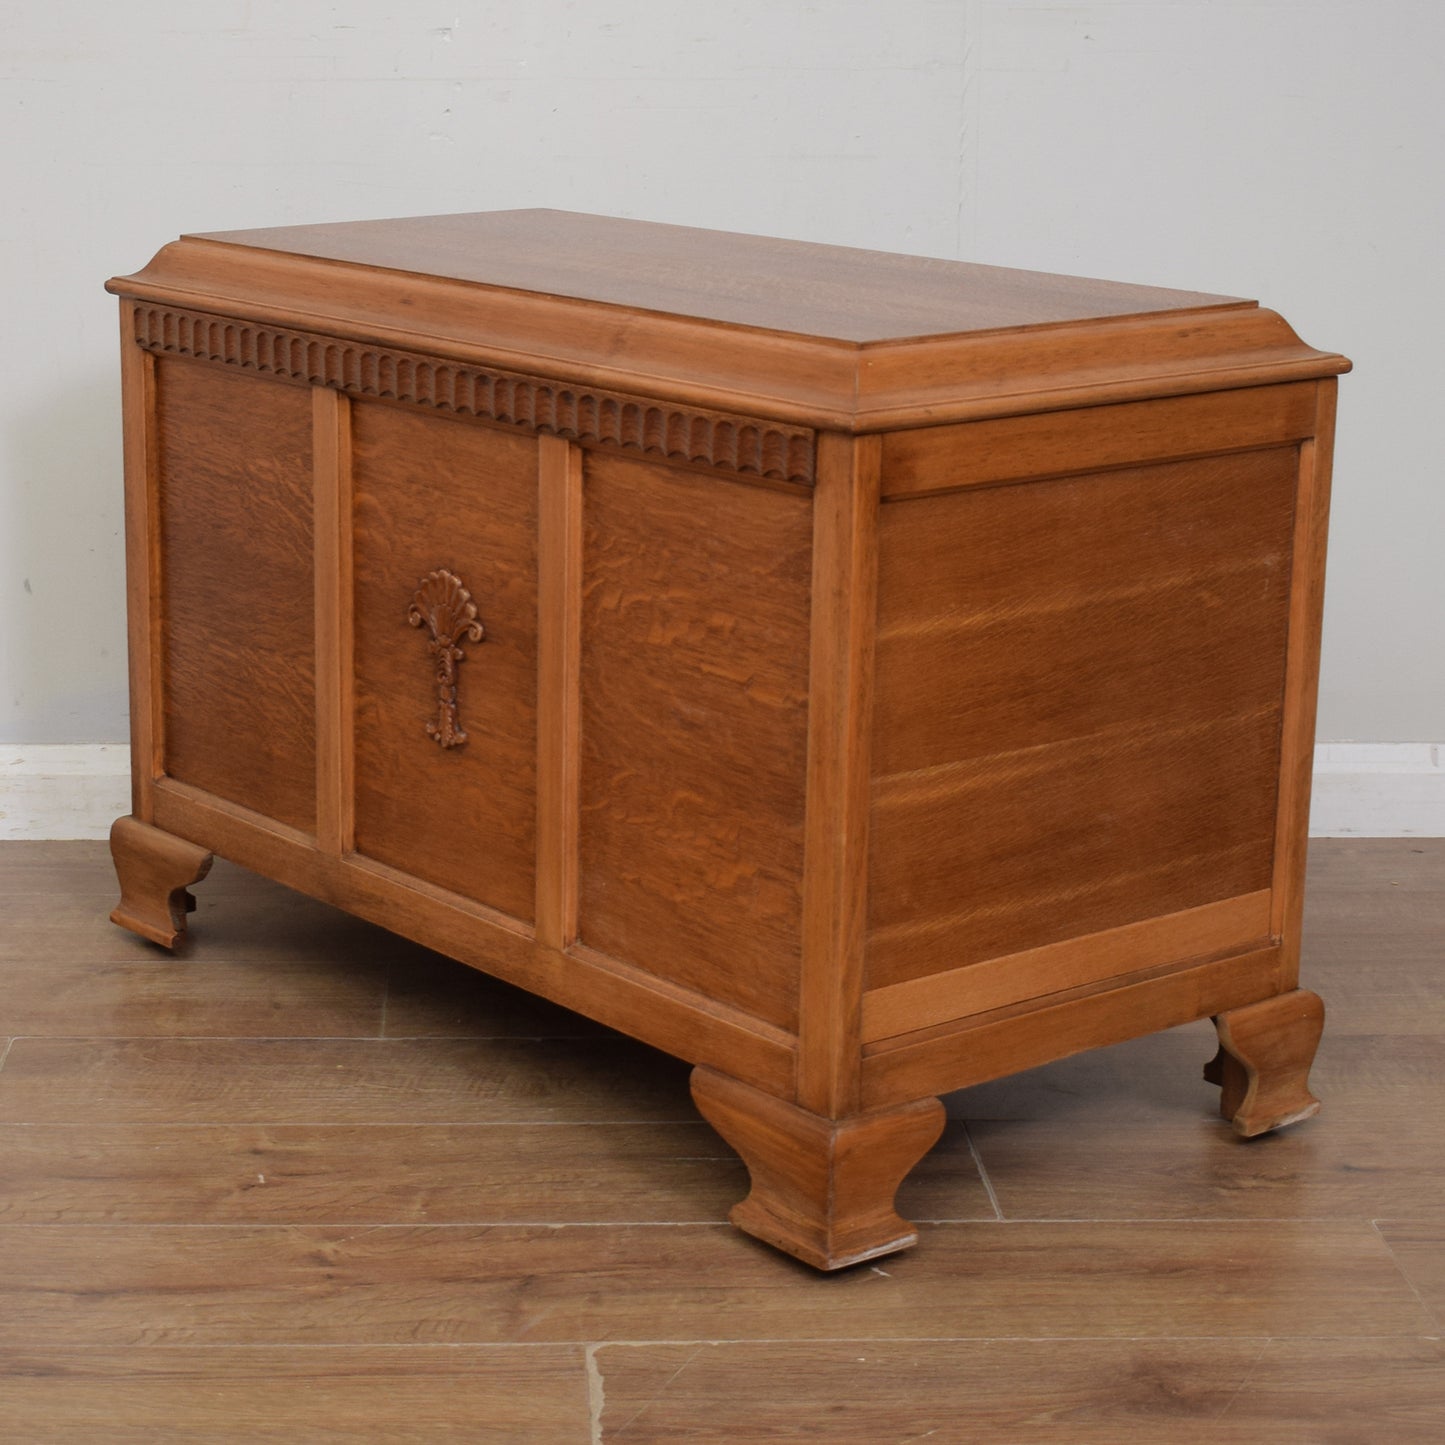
(822, 1188)
(154, 869)
(1263, 1063)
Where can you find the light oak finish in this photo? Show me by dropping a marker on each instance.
(1144, 1276)
(1263, 1063)
(611, 990)
(1119, 661)
(559, 700)
(694, 714)
(901, 371)
(859, 676)
(234, 456)
(142, 564)
(1025, 448)
(975, 1049)
(155, 871)
(1302, 680)
(840, 713)
(332, 504)
(1234, 926)
(461, 817)
(748, 281)
(821, 1190)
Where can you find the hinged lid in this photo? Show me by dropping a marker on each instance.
(823, 335)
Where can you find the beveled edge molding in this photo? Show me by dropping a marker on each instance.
(749, 446)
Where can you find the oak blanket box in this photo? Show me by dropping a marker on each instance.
(861, 676)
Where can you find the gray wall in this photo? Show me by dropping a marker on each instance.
(1285, 149)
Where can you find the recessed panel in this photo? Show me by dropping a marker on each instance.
(438, 496)
(238, 636)
(1079, 699)
(694, 725)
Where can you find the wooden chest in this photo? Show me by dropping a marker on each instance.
(861, 676)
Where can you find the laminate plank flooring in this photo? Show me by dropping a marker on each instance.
(359, 1396)
(660, 1172)
(1047, 1392)
(310, 1181)
(1419, 1249)
(338, 1081)
(392, 1285)
(69, 997)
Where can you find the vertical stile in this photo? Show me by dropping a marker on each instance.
(559, 631)
(840, 704)
(1301, 685)
(142, 565)
(331, 460)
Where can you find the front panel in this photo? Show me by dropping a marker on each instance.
(233, 456)
(445, 771)
(694, 728)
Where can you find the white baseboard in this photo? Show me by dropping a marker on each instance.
(1378, 790)
(1361, 790)
(62, 790)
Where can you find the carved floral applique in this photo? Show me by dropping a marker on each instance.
(447, 609)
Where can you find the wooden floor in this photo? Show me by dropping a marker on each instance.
(312, 1183)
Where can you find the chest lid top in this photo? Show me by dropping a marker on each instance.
(833, 293)
(825, 334)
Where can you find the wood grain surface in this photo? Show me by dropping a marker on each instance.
(1115, 758)
(1419, 1250)
(238, 634)
(362, 1396)
(1302, 677)
(831, 291)
(711, 322)
(822, 1190)
(334, 509)
(143, 583)
(975, 1049)
(661, 1171)
(464, 817)
(840, 713)
(559, 674)
(1232, 926)
(113, 1286)
(932, 459)
(1043, 1392)
(340, 1081)
(645, 1005)
(694, 725)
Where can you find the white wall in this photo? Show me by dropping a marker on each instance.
(1283, 150)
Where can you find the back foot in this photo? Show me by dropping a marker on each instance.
(1263, 1063)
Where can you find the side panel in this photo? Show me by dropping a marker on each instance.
(431, 493)
(1080, 687)
(694, 654)
(237, 626)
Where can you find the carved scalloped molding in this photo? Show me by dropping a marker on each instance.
(749, 446)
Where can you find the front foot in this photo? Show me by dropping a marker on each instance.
(822, 1188)
(154, 869)
(1263, 1063)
